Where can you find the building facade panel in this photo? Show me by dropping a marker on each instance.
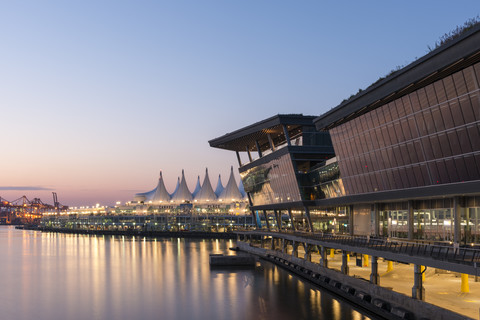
(430, 136)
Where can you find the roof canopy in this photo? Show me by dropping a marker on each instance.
(258, 133)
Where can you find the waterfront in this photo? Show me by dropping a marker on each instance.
(65, 276)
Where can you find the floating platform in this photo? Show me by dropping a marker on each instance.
(231, 260)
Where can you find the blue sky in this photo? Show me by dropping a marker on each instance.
(97, 97)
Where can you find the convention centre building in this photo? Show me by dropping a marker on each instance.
(400, 159)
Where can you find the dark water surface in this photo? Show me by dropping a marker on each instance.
(63, 276)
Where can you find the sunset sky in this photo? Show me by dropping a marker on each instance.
(97, 97)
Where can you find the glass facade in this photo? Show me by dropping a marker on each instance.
(430, 136)
(321, 182)
(272, 182)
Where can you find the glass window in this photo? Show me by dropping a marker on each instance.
(418, 176)
(442, 170)
(427, 147)
(437, 150)
(405, 154)
(440, 91)
(397, 179)
(461, 169)
(414, 101)
(407, 107)
(437, 118)
(470, 80)
(473, 171)
(475, 100)
(431, 96)
(412, 127)
(399, 131)
(467, 110)
(453, 142)
(387, 113)
(474, 135)
(444, 145)
(411, 152)
(464, 140)
(419, 150)
(391, 133)
(447, 115)
(449, 87)
(429, 123)
(456, 111)
(411, 177)
(427, 176)
(459, 83)
(432, 167)
(451, 170)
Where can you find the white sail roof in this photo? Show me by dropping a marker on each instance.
(161, 194)
(176, 188)
(219, 188)
(206, 193)
(144, 196)
(231, 192)
(197, 187)
(182, 194)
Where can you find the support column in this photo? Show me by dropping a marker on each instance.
(308, 255)
(272, 244)
(350, 220)
(376, 217)
(258, 149)
(249, 154)
(410, 220)
(307, 214)
(295, 249)
(270, 142)
(238, 158)
(291, 219)
(345, 262)
(418, 291)
(457, 217)
(374, 276)
(287, 136)
(278, 219)
(323, 257)
(266, 219)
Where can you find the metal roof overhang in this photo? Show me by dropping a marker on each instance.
(439, 63)
(258, 132)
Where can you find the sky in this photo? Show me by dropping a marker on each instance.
(98, 97)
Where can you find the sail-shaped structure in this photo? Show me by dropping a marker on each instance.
(182, 194)
(219, 188)
(144, 196)
(206, 193)
(231, 192)
(176, 188)
(160, 192)
(197, 187)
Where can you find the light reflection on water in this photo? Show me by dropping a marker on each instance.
(62, 276)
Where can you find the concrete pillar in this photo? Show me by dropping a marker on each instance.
(464, 288)
(308, 255)
(323, 257)
(350, 220)
(307, 214)
(266, 219)
(457, 218)
(284, 245)
(418, 291)
(410, 220)
(376, 218)
(295, 249)
(374, 276)
(345, 262)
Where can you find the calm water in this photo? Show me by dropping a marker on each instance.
(58, 276)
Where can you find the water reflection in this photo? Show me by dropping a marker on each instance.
(59, 276)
